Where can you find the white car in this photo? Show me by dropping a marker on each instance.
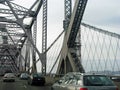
(79, 81)
(9, 77)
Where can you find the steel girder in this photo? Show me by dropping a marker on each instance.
(44, 36)
(69, 60)
(34, 35)
(16, 19)
(68, 11)
(76, 21)
(7, 11)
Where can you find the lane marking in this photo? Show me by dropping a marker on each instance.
(25, 86)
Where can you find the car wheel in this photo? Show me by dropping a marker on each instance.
(28, 83)
(31, 83)
(52, 88)
(42, 84)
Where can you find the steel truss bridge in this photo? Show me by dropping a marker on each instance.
(84, 48)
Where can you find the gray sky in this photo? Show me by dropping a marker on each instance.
(104, 14)
(101, 13)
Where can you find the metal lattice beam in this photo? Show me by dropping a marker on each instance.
(68, 11)
(7, 11)
(44, 35)
(76, 20)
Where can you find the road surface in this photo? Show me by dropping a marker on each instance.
(20, 85)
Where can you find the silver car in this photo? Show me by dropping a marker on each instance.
(9, 77)
(79, 81)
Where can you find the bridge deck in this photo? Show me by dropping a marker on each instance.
(22, 85)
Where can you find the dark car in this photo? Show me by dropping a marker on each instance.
(36, 79)
(115, 78)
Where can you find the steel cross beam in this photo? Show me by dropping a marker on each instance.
(7, 11)
(19, 10)
(12, 34)
(12, 25)
(16, 6)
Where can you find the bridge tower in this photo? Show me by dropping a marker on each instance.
(70, 59)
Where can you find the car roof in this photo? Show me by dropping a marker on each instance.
(9, 73)
(84, 74)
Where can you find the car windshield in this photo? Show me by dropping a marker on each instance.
(97, 80)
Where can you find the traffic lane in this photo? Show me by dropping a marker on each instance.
(34, 87)
(17, 85)
(38, 87)
(21, 85)
(6, 86)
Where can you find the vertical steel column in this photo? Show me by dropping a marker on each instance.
(27, 56)
(35, 31)
(34, 41)
(44, 36)
(67, 12)
(67, 16)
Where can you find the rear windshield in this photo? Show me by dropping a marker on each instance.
(37, 75)
(97, 81)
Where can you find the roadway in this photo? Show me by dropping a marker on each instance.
(20, 85)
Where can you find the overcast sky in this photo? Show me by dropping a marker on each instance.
(102, 13)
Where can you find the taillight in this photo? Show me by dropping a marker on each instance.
(117, 88)
(83, 89)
